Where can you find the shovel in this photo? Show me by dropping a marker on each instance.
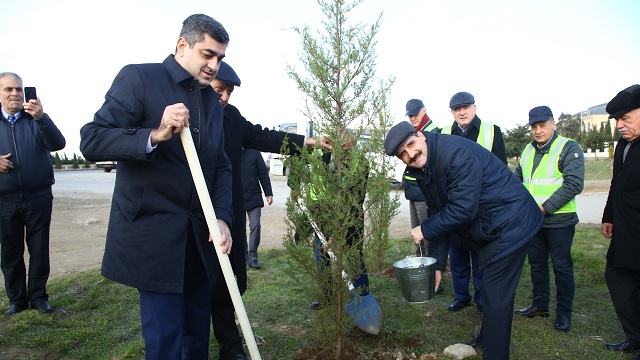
(212, 223)
(363, 310)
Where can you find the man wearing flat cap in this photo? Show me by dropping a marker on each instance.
(551, 167)
(473, 195)
(464, 263)
(621, 219)
(239, 133)
(418, 117)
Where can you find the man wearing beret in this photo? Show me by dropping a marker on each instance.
(551, 167)
(473, 195)
(464, 262)
(418, 117)
(621, 219)
(239, 133)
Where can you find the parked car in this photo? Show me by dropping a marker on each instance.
(107, 166)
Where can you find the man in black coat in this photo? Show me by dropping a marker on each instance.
(255, 179)
(240, 133)
(27, 136)
(471, 193)
(158, 240)
(621, 219)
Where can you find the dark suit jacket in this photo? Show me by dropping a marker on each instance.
(155, 205)
(255, 179)
(239, 133)
(623, 208)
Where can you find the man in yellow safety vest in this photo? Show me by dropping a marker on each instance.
(551, 167)
(417, 113)
(464, 263)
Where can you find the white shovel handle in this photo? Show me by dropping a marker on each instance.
(225, 264)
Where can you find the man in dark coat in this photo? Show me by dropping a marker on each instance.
(255, 180)
(158, 240)
(27, 137)
(621, 219)
(241, 133)
(472, 194)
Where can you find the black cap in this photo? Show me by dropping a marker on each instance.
(626, 100)
(227, 75)
(397, 136)
(413, 107)
(539, 114)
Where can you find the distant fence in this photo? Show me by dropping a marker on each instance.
(70, 167)
(598, 154)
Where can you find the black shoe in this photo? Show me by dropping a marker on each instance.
(624, 346)
(440, 289)
(479, 309)
(533, 311)
(562, 323)
(254, 264)
(315, 305)
(238, 356)
(43, 306)
(458, 305)
(475, 343)
(15, 308)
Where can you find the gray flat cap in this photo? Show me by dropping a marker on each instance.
(461, 99)
(397, 136)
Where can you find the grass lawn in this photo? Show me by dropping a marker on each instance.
(95, 318)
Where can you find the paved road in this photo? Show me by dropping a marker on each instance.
(81, 183)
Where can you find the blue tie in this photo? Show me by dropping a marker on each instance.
(12, 119)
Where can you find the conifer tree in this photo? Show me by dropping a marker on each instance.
(346, 102)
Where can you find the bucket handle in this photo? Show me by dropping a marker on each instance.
(419, 247)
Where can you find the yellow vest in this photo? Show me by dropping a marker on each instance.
(485, 134)
(430, 126)
(317, 190)
(547, 178)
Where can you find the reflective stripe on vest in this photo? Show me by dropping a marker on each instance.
(547, 179)
(485, 134)
(430, 126)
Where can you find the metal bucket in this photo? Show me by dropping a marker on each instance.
(417, 279)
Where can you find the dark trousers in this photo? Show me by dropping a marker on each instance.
(225, 329)
(462, 263)
(417, 214)
(557, 243)
(176, 326)
(254, 233)
(624, 287)
(323, 261)
(27, 219)
(500, 280)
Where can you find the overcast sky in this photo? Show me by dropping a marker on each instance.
(511, 55)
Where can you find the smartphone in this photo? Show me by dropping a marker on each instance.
(30, 93)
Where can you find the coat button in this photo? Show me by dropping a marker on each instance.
(196, 130)
(191, 88)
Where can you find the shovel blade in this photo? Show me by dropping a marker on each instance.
(366, 313)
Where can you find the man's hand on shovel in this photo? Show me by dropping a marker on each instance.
(225, 237)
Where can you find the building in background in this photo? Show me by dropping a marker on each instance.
(594, 118)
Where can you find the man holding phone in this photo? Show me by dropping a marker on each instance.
(27, 136)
